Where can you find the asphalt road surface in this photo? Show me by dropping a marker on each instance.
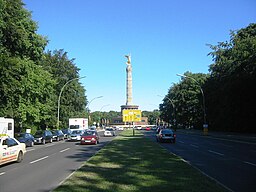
(228, 159)
(46, 166)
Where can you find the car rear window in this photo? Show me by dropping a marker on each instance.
(89, 133)
(166, 131)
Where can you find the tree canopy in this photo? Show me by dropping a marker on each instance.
(30, 79)
(228, 88)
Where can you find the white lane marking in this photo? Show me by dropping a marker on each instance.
(64, 150)
(194, 145)
(30, 150)
(49, 145)
(181, 142)
(250, 163)
(2, 173)
(216, 152)
(39, 159)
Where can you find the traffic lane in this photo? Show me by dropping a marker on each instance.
(201, 152)
(36, 152)
(40, 151)
(226, 165)
(47, 171)
(243, 151)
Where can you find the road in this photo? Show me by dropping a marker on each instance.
(46, 166)
(228, 159)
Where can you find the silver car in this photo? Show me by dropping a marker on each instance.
(75, 135)
(109, 132)
(166, 135)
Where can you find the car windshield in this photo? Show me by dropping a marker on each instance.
(65, 131)
(89, 133)
(77, 132)
(109, 129)
(74, 126)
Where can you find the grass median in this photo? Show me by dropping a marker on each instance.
(134, 163)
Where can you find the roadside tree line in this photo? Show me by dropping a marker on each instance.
(228, 88)
(30, 77)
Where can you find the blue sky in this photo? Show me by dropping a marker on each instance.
(164, 37)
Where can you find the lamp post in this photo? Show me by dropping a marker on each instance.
(173, 106)
(205, 125)
(89, 108)
(58, 118)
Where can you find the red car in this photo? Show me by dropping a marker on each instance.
(89, 137)
(148, 128)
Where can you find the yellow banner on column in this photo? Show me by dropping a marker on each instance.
(131, 115)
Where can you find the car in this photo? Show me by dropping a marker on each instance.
(93, 128)
(11, 150)
(109, 132)
(75, 135)
(166, 135)
(148, 129)
(66, 132)
(43, 136)
(26, 138)
(57, 135)
(120, 128)
(90, 137)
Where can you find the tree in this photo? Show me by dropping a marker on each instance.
(26, 92)
(73, 99)
(231, 98)
(152, 116)
(183, 103)
(18, 32)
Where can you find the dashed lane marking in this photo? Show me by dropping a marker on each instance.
(64, 150)
(39, 159)
(217, 153)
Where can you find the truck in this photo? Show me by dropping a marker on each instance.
(78, 124)
(7, 126)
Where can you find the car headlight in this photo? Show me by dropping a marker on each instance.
(93, 139)
(82, 139)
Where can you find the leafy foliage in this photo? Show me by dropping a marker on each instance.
(229, 88)
(31, 80)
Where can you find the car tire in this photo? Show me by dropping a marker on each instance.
(20, 157)
(32, 144)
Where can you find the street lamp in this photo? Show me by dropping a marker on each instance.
(89, 105)
(58, 118)
(205, 126)
(173, 106)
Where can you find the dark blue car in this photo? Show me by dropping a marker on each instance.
(26, 138)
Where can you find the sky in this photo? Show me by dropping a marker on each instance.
(164, 38)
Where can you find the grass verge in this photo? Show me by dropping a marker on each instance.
(134, 163)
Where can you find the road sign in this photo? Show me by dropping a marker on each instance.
(131, 115)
